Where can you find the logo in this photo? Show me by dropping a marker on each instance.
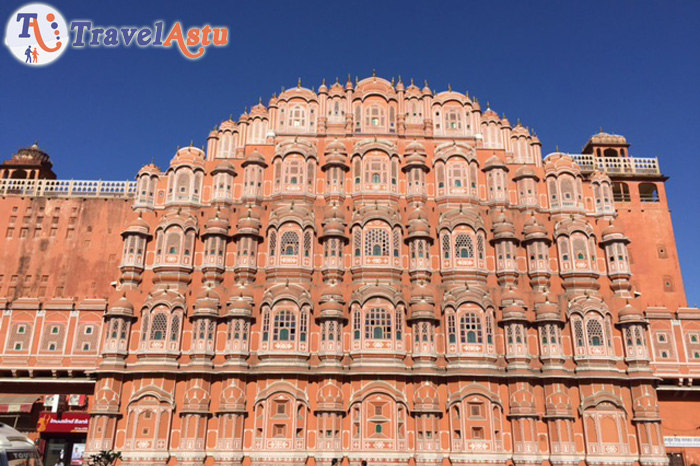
(36, 34)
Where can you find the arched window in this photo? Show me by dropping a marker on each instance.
(621, 192)
(289, 244)
(297, 117)
(648, 192)
(284, 326)
(378, 324)
(446, 246)
(594, 330)
(159, 327)
(470, 328)
(376, 242)
(464, 246)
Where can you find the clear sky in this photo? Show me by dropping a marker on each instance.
(564, 68)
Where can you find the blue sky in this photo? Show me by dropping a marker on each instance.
(564, 68)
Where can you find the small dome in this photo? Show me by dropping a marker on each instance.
(188, 156)
(415, 146)
(256, 158)
(138, 226)
(525, 171)
(494, 162)
(336, 146)
(217, 225)
(533, 229)
(629, 314)
(250, 223)
(224, 166)
(121, 306)
(547, 311)
(603, 138)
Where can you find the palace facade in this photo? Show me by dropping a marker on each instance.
(370, 271)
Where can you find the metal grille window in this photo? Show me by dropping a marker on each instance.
(376, 242)
(273, 243)
(470, 328)
(175, 328)
(578, 332)
(285, 326)
(594, 331)
(451, 329)
(158, 327)
(303, 326)
(289, 245)
(307, 244)
(464, 246)
(378, 324)
(446, 246)
(397, 243)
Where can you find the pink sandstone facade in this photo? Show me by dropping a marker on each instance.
(370, 271)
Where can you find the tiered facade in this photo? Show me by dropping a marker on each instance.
(379, 272)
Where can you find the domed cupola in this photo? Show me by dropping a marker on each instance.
(629, 314)
(547, 312)
(217, 225)
(415, 156)
(503, 228)
(207, 303)
(249, 224)
(513, 306)
(256, 158)
(534, 230)
(333, 223)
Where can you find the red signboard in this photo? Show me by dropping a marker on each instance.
(64, 423)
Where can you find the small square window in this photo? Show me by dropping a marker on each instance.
(88, 330)
(52, 346)
(86, 346)
(54, 330)
(21, 329)
(661, 337)
(477, 433)
(18, 346)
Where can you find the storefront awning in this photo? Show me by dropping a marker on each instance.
(17, 403)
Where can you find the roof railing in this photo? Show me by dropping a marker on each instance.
(618, 165)
(67, 188)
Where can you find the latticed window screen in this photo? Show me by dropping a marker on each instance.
(356, 324)
(307, 244)
(399, 324)
(376, 242)
(480, 245)
(285, 326)
(357, 241)
(210, 330)
(553, 333)
(378, 324)
(175, 328)
(594, 331)
(159, 326)
(464, 246)
(289, 246)
(446, 246)
(303, 325)
(451, 328)
(578, 332)
(470, 328)
(397, 243)
(273, 242)
(489, 328)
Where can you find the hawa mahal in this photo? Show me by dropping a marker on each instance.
(368, 271)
